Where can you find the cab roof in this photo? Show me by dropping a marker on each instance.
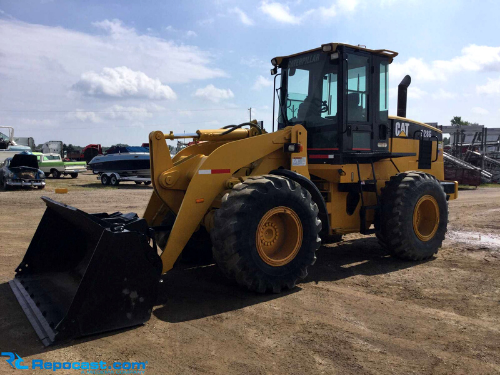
(332, 47)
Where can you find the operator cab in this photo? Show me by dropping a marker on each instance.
(340, 94)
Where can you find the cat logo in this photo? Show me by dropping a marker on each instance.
(401, 129)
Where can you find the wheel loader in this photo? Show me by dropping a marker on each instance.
(260, 202)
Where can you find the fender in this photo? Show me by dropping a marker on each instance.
(313, 190)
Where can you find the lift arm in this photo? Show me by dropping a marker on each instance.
(189, 186)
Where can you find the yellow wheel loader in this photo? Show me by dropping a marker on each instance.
(260, 202)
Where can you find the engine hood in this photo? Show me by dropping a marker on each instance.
(24, 160)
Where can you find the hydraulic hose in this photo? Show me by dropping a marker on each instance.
(234, 127)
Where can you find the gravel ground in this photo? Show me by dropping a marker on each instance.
(358, 312)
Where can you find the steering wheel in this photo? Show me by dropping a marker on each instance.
(322, 104)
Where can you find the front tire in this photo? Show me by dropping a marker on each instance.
(414, 216)
(104, 180)
(55, 173)
(5, 186)
(266, 233)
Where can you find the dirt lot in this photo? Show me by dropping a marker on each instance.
(359, 311)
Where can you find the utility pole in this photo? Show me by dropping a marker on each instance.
(250, 109)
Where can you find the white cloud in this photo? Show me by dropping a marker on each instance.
(414, 92)
(417, 68)
(442, 94)
(282, 13)
(473, 58)
(480, 111)
(84, 116)
(122, 82)
(37, 122)
(492, 87)
(279, 12)
(206, 22)
(114, 112)
(255, 62)
(74, 53)
(118, 112)
(214, 94)
(328, 12)
(114, 27)
(242, 15)
(185, 34)
(348, 6)
(262, 82)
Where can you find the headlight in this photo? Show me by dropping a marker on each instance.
(9, 174)
(41, 174)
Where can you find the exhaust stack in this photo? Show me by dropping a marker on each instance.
(402, 95)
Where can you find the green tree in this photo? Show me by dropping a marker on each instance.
(457, 120)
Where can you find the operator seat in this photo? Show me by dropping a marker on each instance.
(354, 109)
(308, 109)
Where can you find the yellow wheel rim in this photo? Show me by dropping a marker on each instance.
(426, 218)
(279, 236)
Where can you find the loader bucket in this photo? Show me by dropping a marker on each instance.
(87, 273)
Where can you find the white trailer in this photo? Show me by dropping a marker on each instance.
(114, 179)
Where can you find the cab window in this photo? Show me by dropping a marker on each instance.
(384, 91)
(309, 87)
(357, 88)
(51, 157)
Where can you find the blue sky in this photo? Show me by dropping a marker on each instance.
(112, 71)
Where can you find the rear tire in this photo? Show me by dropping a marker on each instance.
(138, 182)
(266, 233)
(113, 180)
(104, 180)
(414, 216)
(73, 175)
(147, 183)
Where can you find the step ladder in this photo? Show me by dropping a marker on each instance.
(368, 186)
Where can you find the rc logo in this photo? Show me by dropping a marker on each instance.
(401, 129)
(15, 363)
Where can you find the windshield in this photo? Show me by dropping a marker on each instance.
(309, 97)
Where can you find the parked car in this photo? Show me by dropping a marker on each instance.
(54, 165)
(21, 170)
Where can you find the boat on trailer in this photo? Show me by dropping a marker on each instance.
(127, 161)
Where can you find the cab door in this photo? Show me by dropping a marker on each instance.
(358, 102)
